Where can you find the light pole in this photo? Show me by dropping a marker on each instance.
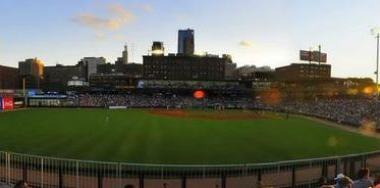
(311, 49)
(376, 32)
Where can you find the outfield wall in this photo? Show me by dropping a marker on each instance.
(40, 171)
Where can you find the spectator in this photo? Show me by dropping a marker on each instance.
(342, 181)
(21, 184)
(345, 182)
(363, 180)
(377, 182)
(322, 183)
(3, 185)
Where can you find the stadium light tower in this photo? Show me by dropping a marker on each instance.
(376, 32)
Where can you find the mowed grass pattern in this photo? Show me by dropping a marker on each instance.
(137, 136)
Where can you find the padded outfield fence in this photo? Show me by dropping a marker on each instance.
(48, 172)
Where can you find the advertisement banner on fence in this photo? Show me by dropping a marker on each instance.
(117, 107)
(7, 103)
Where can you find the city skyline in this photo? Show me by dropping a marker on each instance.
(254, 32)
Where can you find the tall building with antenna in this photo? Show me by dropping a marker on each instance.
(125, 54)
(122, 61)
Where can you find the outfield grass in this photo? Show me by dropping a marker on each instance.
(140, 137)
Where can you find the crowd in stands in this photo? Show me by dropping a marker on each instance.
(157, 101)
(349, 111)
(166, 84)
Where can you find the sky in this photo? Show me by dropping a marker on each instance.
(254, 32)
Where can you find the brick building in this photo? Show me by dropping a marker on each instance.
(180, 67)
(57, 77)
(303, 71)
(9, 78)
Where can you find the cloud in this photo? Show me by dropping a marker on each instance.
(183, 18)
(246, 43)
(120, 17)
(94, 21)
(100, 36)
(120, 38)
(147, 8)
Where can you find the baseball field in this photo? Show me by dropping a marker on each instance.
(174, 136)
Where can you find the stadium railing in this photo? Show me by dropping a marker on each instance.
(40, 171)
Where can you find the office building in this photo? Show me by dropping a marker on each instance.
(186, 42)
(92, 64)
(32, 70)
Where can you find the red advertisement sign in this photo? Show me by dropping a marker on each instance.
(7, 103)
(315, 56)
(305, 55)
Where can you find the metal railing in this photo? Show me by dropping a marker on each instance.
(45, 172)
